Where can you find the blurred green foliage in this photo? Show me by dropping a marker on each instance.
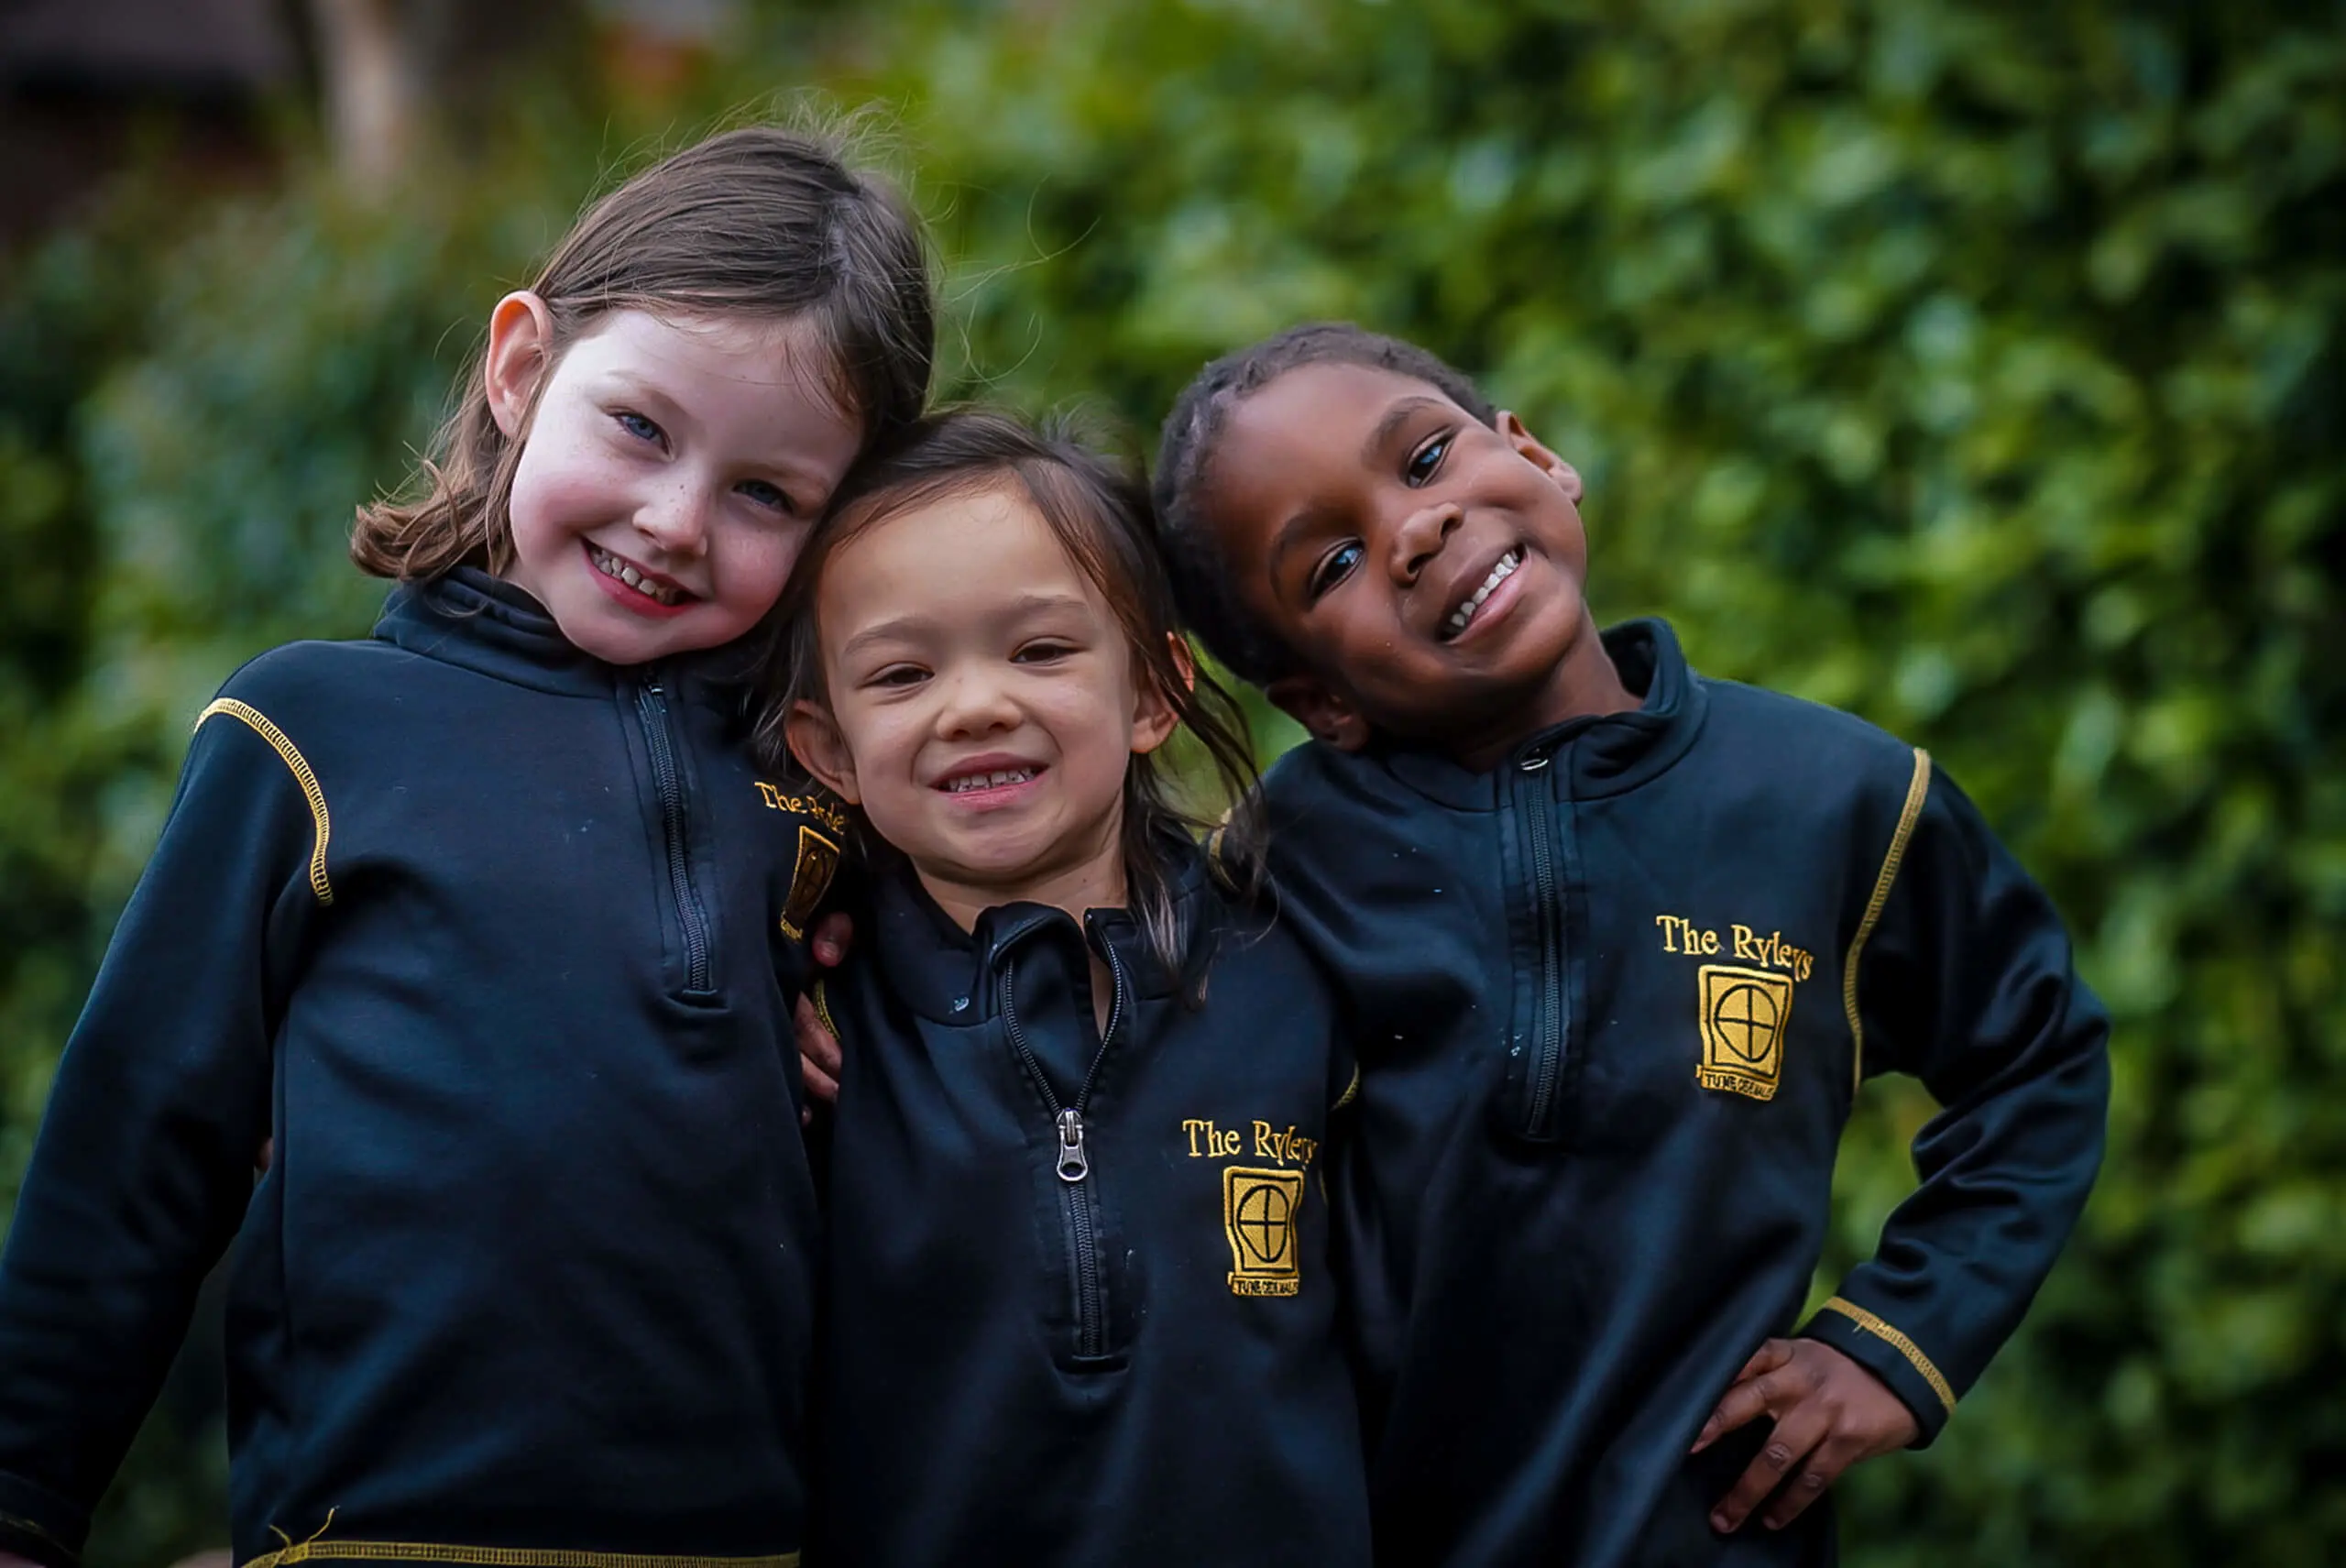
(1973, 365)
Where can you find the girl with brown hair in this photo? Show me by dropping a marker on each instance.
(482, 922)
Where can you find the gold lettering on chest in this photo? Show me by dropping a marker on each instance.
(1745, 944)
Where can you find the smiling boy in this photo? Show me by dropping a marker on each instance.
(1620, 943)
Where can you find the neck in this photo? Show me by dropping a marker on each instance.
(1093, 880)
(1582, 685)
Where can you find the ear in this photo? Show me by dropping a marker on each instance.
(520, 346)
(1183, 660)
(1323, 711)
(816, 740)
(1528, 446)
(1153, 718)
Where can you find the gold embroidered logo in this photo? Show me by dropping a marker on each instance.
(822, 808)
(1258, 1212)
(819, 857)
(1745, 1014)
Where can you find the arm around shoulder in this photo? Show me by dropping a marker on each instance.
(1966, 982)
(144, 1162)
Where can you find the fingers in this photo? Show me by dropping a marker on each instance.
(817, 1044)
(1820, 1469)
(833, 934)
(260, 1163)
(1797, 1435)
(1772, 1355)
(1744, 1403)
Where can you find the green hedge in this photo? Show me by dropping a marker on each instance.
(1974, 366)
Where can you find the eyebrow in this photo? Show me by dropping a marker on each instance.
(1395, 418)
(1024, 605)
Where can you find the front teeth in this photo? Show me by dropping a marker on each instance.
(611, 565)
(1499, 574)
(968, 782)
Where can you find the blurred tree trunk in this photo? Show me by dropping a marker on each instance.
(393, 75)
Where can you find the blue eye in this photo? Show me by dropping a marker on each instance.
(1334, 567)
(1426, 461)
(768, 495)
(638, 426)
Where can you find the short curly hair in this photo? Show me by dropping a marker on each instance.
(1203, 582)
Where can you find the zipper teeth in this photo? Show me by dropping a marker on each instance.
(1548, 1060)
(1090, 1328)
(1083, 1243)
(652, 704)
(1116, 1016)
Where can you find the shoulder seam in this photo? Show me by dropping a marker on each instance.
(1918, 789)
(1898, 1342)
(303, 775)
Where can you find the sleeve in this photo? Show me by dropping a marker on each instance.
(144, 1163)
(1967, 984)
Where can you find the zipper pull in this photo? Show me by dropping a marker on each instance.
(1535, 761)
(1074, 1163)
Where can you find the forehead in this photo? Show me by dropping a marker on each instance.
(1315, 427)
(948, 553)
(754, 361)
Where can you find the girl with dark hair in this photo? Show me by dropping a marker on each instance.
(481, 922)
(1079, 1302)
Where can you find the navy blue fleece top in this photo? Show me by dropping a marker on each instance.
(493, 940)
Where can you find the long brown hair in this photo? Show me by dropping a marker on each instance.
(761, 222)
(1098, 509)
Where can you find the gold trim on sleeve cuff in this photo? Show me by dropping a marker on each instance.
(1897, 1342)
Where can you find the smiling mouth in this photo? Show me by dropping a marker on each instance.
(1001, 778)
(651, 588)
(1464, 615)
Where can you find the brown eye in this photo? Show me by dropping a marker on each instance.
(1334, 569)
(1426, 461)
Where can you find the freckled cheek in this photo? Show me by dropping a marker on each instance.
(750, 569)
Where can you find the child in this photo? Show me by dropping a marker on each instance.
(479, 922)
(1079, 1304)
(1621, 944)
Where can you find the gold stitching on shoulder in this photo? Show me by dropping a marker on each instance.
(1352, 1090)
(258, 723)
(314, 1551)
(1897, 1342)
(1917, 789)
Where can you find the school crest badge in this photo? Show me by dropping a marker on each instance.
(1744, 1015)
(1258, 1212)
(818, 859)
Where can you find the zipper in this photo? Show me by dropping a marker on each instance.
(1552, 1021)
(1079, 1202)
(668, 779)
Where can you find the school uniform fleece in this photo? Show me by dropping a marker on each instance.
(1614, 999)
(484, 934)
(1080, 1310)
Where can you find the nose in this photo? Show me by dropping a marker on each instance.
(1420, 538)
(975, 704)
(677, 520)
